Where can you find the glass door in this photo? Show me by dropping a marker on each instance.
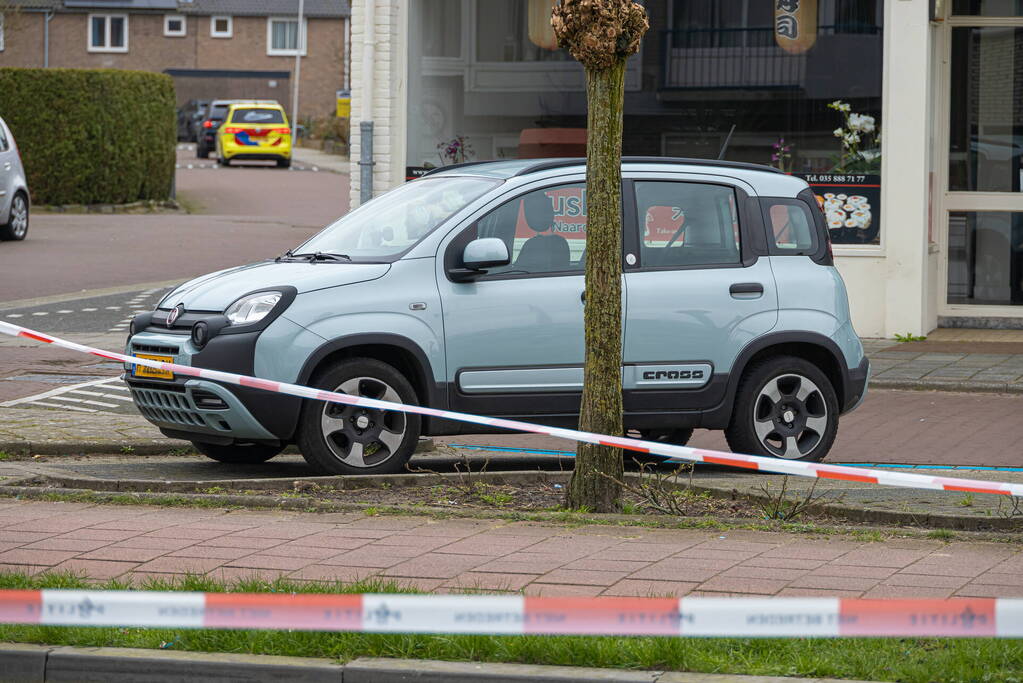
(983, 198)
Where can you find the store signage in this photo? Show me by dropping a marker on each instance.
(851, 204)
(795, 25)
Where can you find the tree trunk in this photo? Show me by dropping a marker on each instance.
(599, 468)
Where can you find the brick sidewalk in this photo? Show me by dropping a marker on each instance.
(450, 555)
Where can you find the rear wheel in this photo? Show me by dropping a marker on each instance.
(202, 151)
(237, 454)
(337, 438)
(284, 163)
(223, 161)
(785, 407)
(17, 227)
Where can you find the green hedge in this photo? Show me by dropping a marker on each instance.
(90, 136)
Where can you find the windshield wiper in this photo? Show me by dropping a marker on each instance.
(316, 256)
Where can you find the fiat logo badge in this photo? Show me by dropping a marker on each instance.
(174, 314)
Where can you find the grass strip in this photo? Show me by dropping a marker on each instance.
(905, 660)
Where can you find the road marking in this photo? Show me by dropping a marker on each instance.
(40, 313)
(58, 392)
(64, 407)
(89, 402)
(14, 315)
(65, 311)
(118, 387)
(100, 394)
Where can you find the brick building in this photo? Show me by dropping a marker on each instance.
(212, 48)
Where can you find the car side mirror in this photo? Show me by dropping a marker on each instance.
(479, 255)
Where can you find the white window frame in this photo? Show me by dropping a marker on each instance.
(221, 34)
(167, 32)
(303, 38)
(107, 48)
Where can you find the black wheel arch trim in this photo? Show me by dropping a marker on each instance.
(846, 391)
(436, 395)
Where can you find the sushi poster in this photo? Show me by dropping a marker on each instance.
(851, 205)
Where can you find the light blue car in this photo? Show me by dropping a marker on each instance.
(464, 290)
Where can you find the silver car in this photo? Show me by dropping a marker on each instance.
(13, 189)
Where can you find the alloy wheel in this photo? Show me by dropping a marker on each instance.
(19, 217)
(790, 416)
(363, 437)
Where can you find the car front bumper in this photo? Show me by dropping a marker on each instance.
(202, 410)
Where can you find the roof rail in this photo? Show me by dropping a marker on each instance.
(464, 164)
(561, 163)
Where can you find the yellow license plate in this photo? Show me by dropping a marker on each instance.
(143, 371)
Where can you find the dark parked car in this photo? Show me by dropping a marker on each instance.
(188, 116)
(206, 129)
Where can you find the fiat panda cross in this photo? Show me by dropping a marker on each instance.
(464, 290)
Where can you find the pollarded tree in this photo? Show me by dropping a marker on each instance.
(601, 34)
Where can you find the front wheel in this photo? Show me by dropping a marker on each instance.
(675, 436)
(337, 438)
(785, 407)
(17, 227)
(237, 454)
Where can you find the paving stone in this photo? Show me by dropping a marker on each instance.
(646, 588)
(730, 584)
(435, 566)
(563, 590)
(96, 569)
(35, 557)
(487, 581)
(582, 577)
(886, 592)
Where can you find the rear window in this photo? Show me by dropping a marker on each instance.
(790, 225)
(257, 115)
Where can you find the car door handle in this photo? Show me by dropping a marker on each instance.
(7, 165)
(746, 288)
(582, 297)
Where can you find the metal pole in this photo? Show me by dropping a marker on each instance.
(46, 39)
(366, 162)
(299, 45)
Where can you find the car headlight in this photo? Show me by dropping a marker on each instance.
(252, 308)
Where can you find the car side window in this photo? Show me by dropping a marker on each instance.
(790, 225)
(4, 146)
(545, 231)
(687, 224)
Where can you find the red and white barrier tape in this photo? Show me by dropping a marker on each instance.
(518, 615)
(750, 462)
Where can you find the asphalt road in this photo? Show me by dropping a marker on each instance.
(247, 214)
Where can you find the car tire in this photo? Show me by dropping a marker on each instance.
(336, 438)
(785, 407)
(284, 163)
(16, 227)
(238, 454)
(201, 152)
(675, 436)
(223, 161)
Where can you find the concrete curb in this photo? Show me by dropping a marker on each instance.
(132, 446)
(951, 385)
(866, 519)
(40, 663)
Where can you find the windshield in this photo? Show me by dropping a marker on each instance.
(394, 222)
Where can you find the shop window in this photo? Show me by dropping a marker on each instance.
(985, 257)
(988, 8)
(986, 138)
(687, 224)
(108, 33)
(545, 231)
(502, 33)
(442, 29)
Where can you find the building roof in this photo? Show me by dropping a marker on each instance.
(263, 8)
(121, 4)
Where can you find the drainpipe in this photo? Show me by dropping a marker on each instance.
(46, 39)
(366, 162)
